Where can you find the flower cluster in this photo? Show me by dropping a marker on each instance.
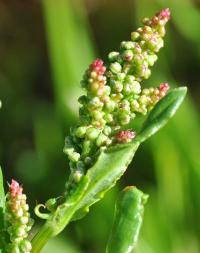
(114, 95)
(17, 219)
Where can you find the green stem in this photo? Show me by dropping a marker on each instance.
(41, 238)
(58, 220)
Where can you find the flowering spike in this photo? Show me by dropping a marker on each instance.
(114, 95)
(17, 219)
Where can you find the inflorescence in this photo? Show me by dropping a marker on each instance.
(114, 95)
(18, 220)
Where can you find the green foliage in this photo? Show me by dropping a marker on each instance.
(162, 112)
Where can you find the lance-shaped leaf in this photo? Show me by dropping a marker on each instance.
(109, 167)
(128, 220)
(162, 112)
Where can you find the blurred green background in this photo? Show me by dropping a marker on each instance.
(45, 47)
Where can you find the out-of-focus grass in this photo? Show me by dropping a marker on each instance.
(70, 50)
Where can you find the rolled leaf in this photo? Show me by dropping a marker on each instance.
(128, 220)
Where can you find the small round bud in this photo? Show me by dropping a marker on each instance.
(127, 44)
(83, 99)
(25, 246)
(77, 176)
(108, 117)
(135, 36)
(136, 87)
(110, 105)
(113, 56)
(115, 67)
(127, 55)
(101, 140)
(51, 204)
(130, 78)
(74, 156)
(121, 76)
(117, 86)
(80, 131)
(124, 118)
(152, 59)
(97, 115)
(107, 130)
(92, 133)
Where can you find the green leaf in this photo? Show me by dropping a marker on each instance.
(109, 167)
(162, 112)
(128, 220)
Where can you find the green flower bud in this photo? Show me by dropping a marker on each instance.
(86, 147)
(127, 55)
(107, 90)
(115, 67)
(117, 97)
(80, 131)
(77, 176)
(147, 73)
(151, 59)
(135, 36)
(110, 105)
(113, 56)
(88, 160)
(130, 79)
(97, 115)
(51, 204)
(83, 99)
(107, 130)
(120, 76)
(124, 118)
(125, 106)
(144, 99)
(135, 87)
(14, 249)
(127, 45)
(117, 86)
(134, 105)
(108, 117)
(101, 140)
(25, 246)
(92, 133)
(127, 89)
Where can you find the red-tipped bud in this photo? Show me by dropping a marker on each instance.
(124, 136)
(98, 67)
(15, 189)
(164, 87)
(164, 14)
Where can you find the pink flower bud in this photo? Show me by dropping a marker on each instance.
(164, 87)
(164, 14)
(124, 136)
(15, 188)
(98, 67)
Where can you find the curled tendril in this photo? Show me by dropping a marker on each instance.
(44, 216)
